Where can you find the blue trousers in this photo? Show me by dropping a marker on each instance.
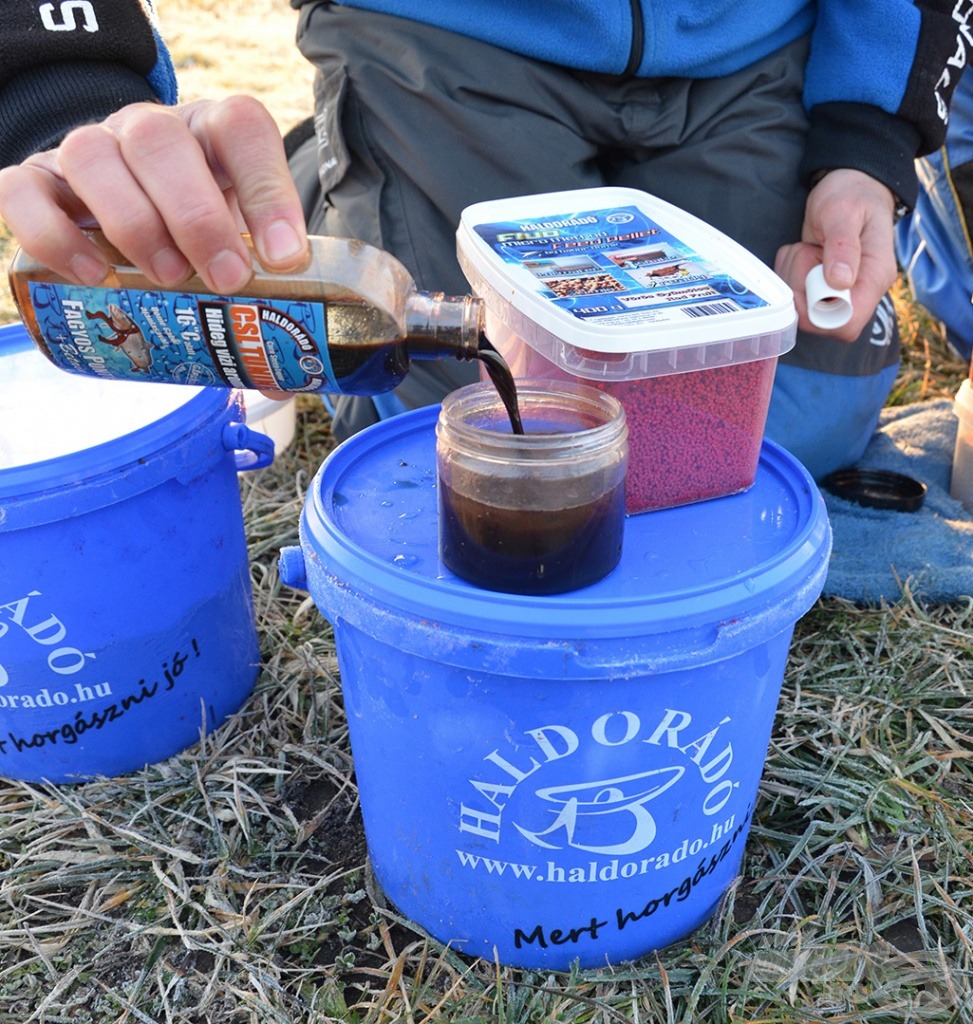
(933, 243)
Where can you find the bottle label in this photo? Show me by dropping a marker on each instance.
(183, 338)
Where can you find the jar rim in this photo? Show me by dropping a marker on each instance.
(535, 396)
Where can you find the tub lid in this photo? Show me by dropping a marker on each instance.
(370, 526)
(616, 272)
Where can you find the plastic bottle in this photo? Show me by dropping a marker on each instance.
(349, 322)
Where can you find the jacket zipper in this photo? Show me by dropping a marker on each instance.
(638, 39)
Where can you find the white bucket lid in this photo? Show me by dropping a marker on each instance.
(47, 413)
(259, 406)
(620, 272)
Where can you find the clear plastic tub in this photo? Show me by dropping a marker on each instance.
(617, 289)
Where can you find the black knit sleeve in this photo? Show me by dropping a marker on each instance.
(850, 127)
(69, 63)
(863, 138)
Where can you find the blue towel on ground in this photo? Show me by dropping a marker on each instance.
(878, 553)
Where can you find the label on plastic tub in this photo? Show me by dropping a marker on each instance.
(617, 264)
(618, 272)
(128, 334)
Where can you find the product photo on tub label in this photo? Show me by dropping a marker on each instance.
(617, 265)
(129, 334)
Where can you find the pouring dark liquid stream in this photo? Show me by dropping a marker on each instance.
(503, 381)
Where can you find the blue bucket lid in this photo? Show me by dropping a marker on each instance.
(695, 582)
(69, 443)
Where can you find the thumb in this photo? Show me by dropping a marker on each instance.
(841, 251)
(842, 259)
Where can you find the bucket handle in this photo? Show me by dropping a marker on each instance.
(291, 567)
(251, 449)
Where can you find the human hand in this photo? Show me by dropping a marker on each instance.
(847, 227)
(170, 187)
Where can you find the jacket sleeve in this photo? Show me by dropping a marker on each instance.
(68, 63)
(880, 78)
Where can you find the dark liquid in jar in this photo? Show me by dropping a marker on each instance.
(525, 551)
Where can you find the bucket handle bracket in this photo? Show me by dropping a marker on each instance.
(251, 449)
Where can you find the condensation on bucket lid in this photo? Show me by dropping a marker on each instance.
(46, 413)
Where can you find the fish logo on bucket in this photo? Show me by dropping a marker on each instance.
(589, 803)
(668, 828)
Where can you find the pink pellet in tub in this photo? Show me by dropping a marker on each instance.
(691, 436)
(695, 435)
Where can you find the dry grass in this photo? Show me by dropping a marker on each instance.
(929, 368)
(8, 311)
(230, 885)
(220, 48)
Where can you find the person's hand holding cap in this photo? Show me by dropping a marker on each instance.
(845, 260)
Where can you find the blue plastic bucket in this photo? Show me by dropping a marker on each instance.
(567, 778)
(126, 617)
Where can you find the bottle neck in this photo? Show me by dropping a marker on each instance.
(438, 325)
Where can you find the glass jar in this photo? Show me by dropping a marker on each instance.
(535, 513)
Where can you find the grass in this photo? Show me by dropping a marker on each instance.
(230, 884)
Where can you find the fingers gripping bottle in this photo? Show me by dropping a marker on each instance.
(348, 323)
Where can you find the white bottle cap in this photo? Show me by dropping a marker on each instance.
(826, 306)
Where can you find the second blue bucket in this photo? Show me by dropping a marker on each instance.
(550, 780)
(126, 616)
